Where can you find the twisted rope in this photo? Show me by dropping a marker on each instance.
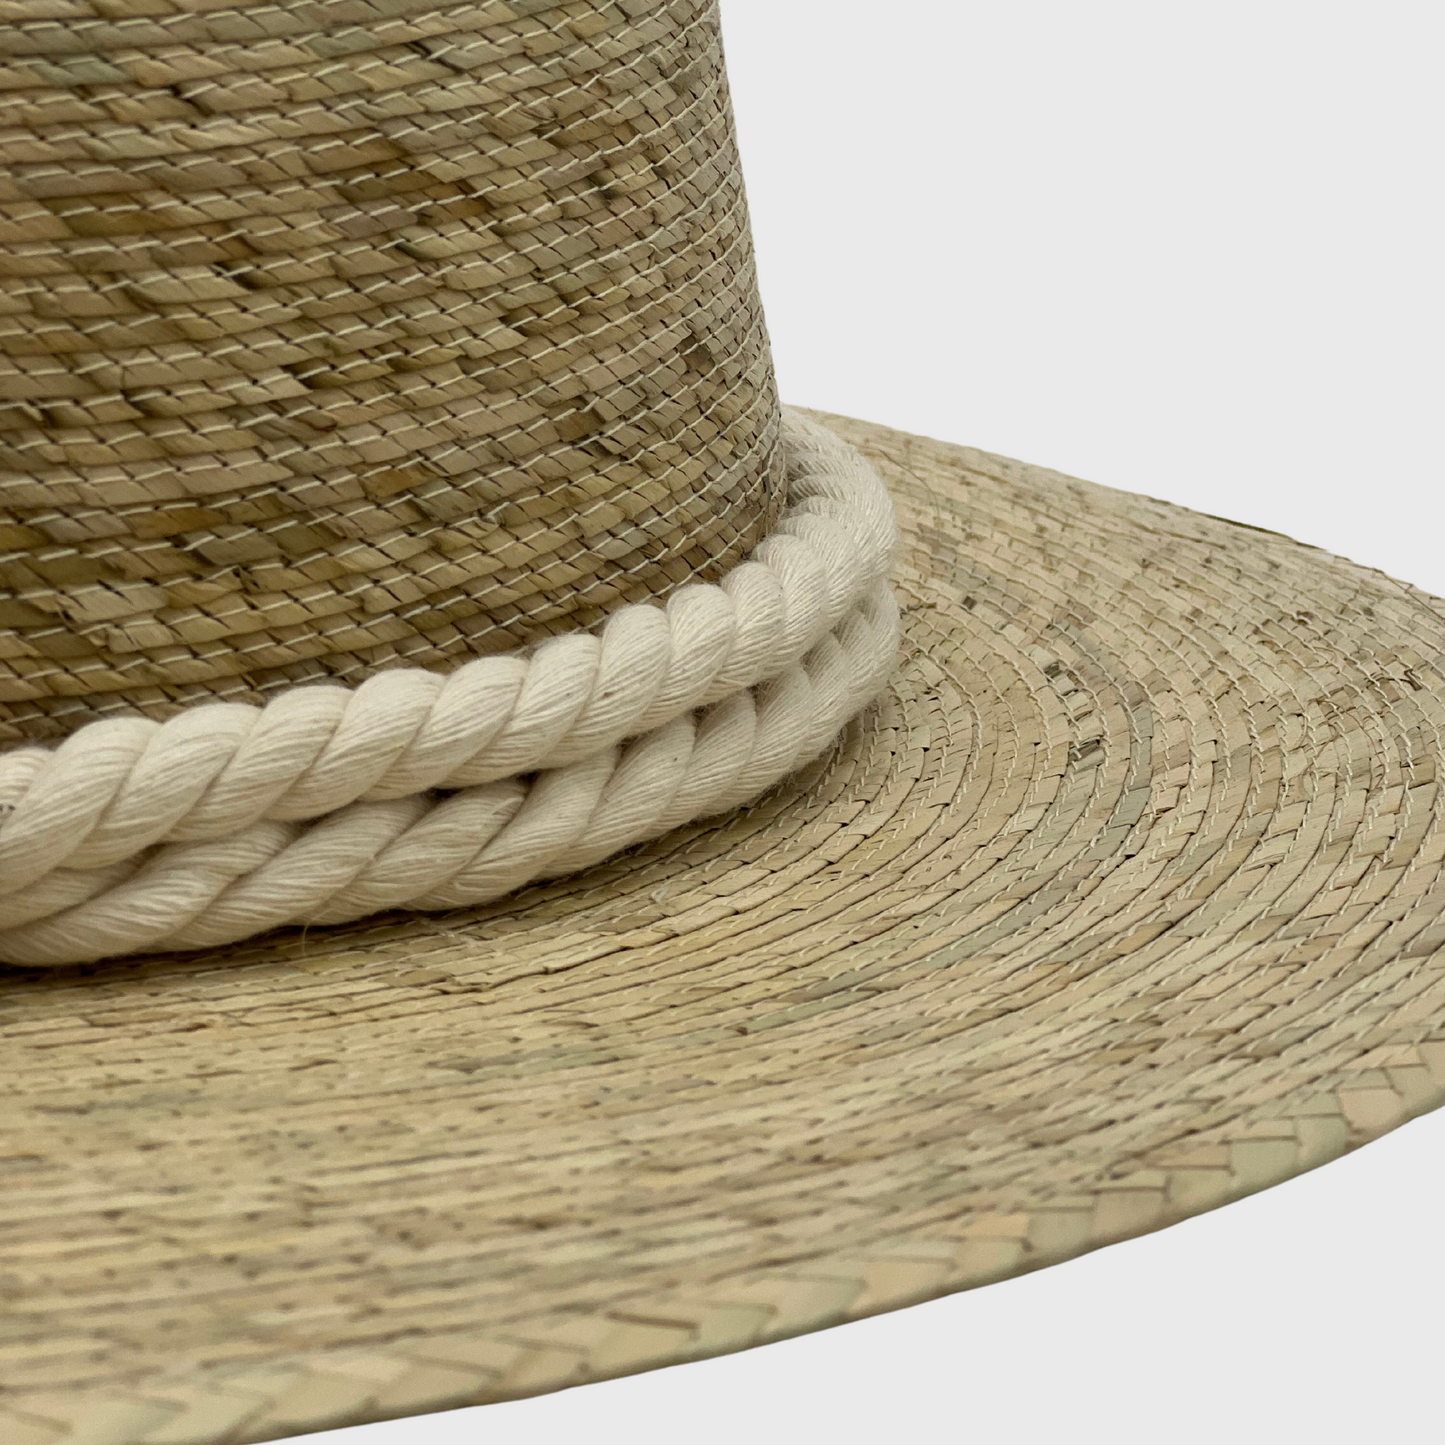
(195, 832)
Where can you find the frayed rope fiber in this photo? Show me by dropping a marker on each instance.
(422, 790)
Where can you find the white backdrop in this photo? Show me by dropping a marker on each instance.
(1187, 249)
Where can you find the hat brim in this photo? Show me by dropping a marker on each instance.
(1125, 901)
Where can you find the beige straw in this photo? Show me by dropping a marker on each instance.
(341, 335)
(382, 348)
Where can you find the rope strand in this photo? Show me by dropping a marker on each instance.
(322, 807)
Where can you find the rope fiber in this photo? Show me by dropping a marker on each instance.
(421, 790)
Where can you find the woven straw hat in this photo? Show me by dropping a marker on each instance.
(522, 861)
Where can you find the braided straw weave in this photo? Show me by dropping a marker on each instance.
(1127, 899)
(342, 333)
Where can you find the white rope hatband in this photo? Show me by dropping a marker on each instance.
(322, 806)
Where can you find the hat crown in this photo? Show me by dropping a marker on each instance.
(345, 335)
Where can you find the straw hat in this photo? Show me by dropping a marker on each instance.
(400, 524)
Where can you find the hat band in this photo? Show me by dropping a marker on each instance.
(322, 807)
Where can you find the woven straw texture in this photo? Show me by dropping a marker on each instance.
(1125, 901)
(342, 333)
